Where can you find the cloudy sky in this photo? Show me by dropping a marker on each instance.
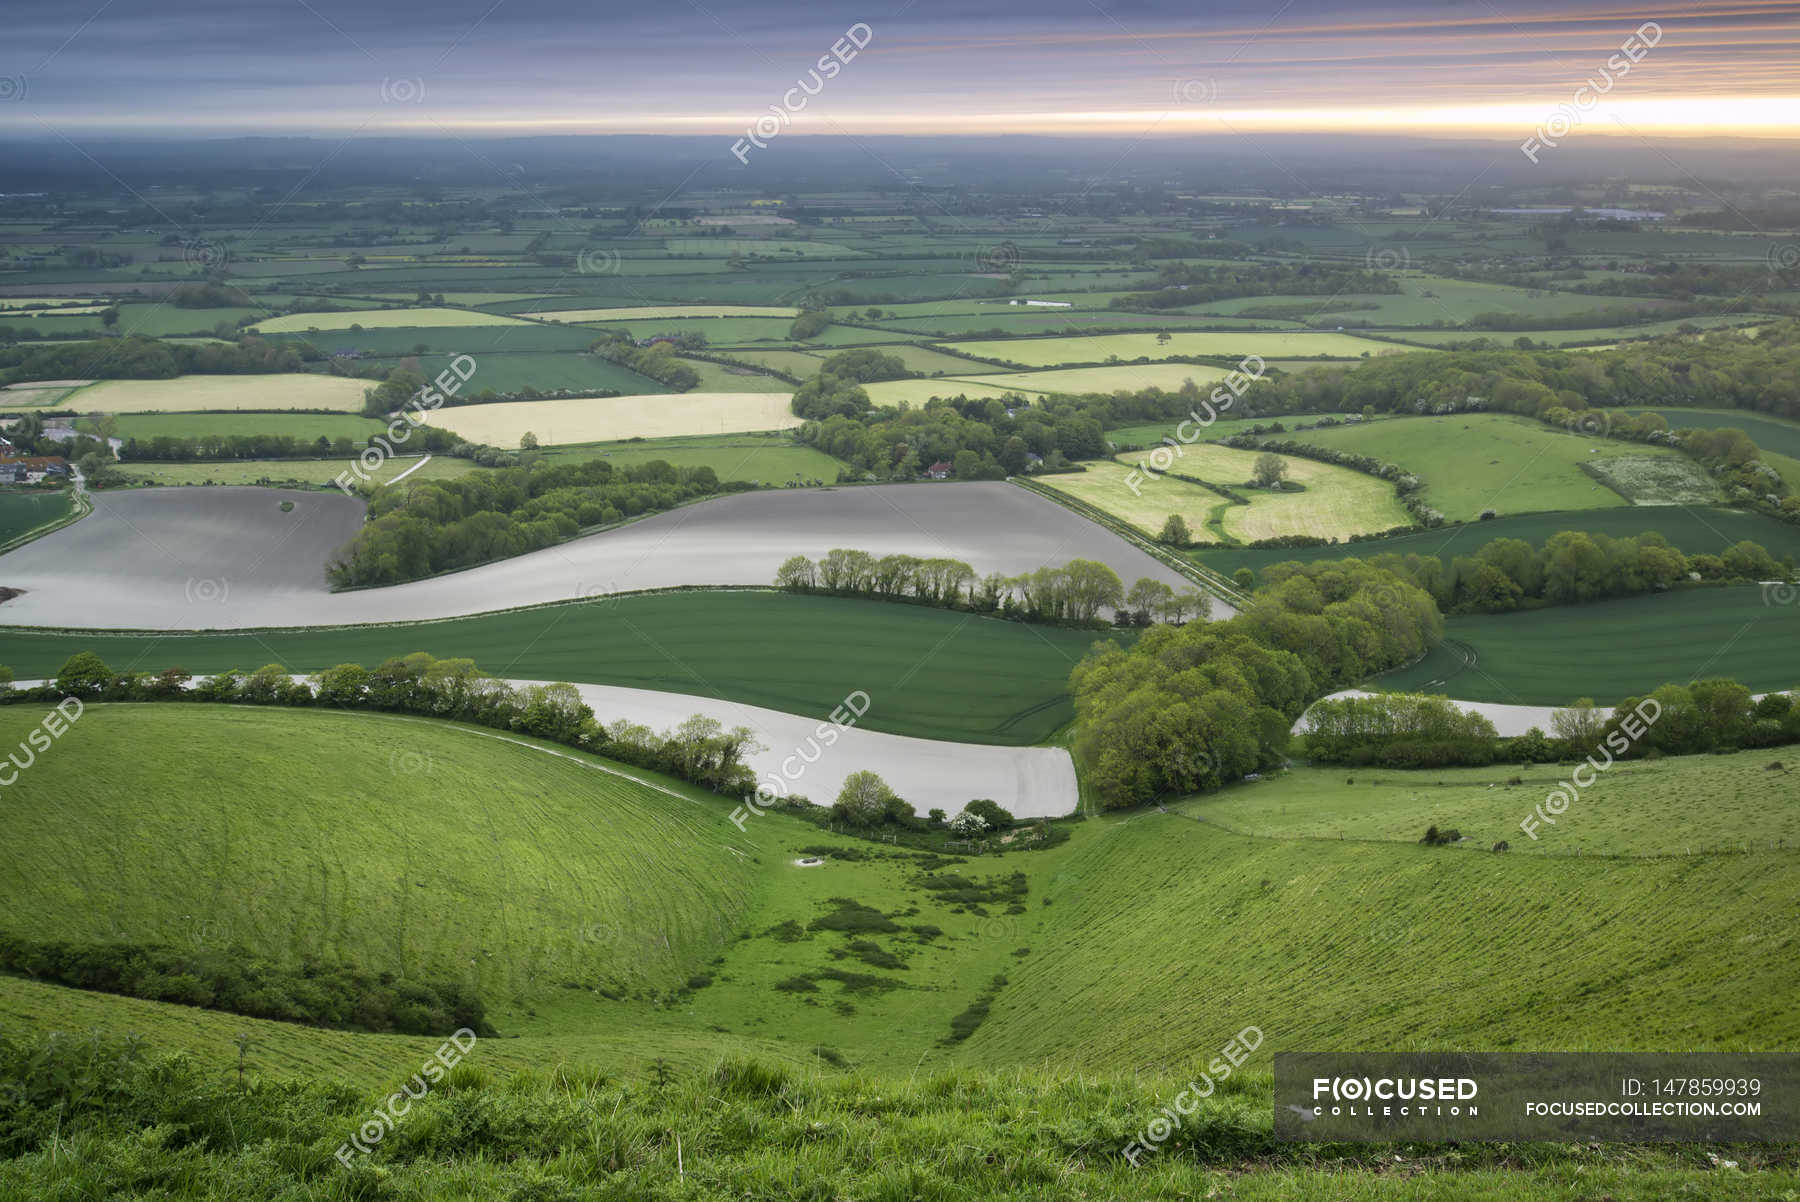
(1132, 67)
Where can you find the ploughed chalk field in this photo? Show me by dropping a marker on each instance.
(232, 558)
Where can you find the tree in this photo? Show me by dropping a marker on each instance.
(990, 812)
(1268, 470)
(97, 469)
(1580, 724)
(1175, 532)
(1244, 578)
(1149, 597)
(967, 825)
(797, 573)
(1162, 339)
(528, 441)
(84, 674)
(863, 801)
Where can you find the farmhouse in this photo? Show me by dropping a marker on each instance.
(939, 470)
(31, 469)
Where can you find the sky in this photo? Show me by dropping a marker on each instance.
(1132, 68)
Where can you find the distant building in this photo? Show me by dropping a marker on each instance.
(939, 470)
(31, 469)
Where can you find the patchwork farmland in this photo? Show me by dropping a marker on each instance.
(796, 661)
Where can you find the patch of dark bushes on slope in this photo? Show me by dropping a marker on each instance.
(312, 992)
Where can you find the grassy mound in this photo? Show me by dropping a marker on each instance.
(396, 845)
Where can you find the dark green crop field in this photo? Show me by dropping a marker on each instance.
(1614, 649)
(935, 674)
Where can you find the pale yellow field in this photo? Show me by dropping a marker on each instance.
(664, 312)
(1336, 504)
(917, 392)
(1097, 348)
(605, 419)
(380, 319)
(194, 393)
(1168, 376)
(1109, 486)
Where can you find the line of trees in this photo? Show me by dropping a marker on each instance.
(441, 525)
(140, 358)
(1572, 566)
(1181, 284)
(1075, 593)
(1409, 730)
(1189, 708)
(277, 446)
(659, 362)
(700, 750)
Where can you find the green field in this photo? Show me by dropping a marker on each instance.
(197, 824)
(1612, 649)
(939, 675)
(1778, 440)
(1143, 501)
(289, 471)
(22, 512)
(309, 426)
(1335, 502)
(1695, 530)
(1637, 807)
(165, 843)
(1053, 352)
(381, 319)
(1472, 462)
(763, 458)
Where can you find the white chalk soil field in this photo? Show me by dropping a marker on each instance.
(171, 558)
(140, 560)
(1031, 782)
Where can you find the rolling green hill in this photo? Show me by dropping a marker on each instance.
(411, 847)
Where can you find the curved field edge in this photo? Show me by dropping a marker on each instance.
(932, 673)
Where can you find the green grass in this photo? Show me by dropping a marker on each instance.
(764, 458)
(1636, 807)
(1052, 352)
(1335, 503)
(288, 471)
(1694, 530)
(1472, 462)
(411, 847)
(309, 426)
(1613, 649)
(933, 673)
(23, 512)
(1166, 935)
